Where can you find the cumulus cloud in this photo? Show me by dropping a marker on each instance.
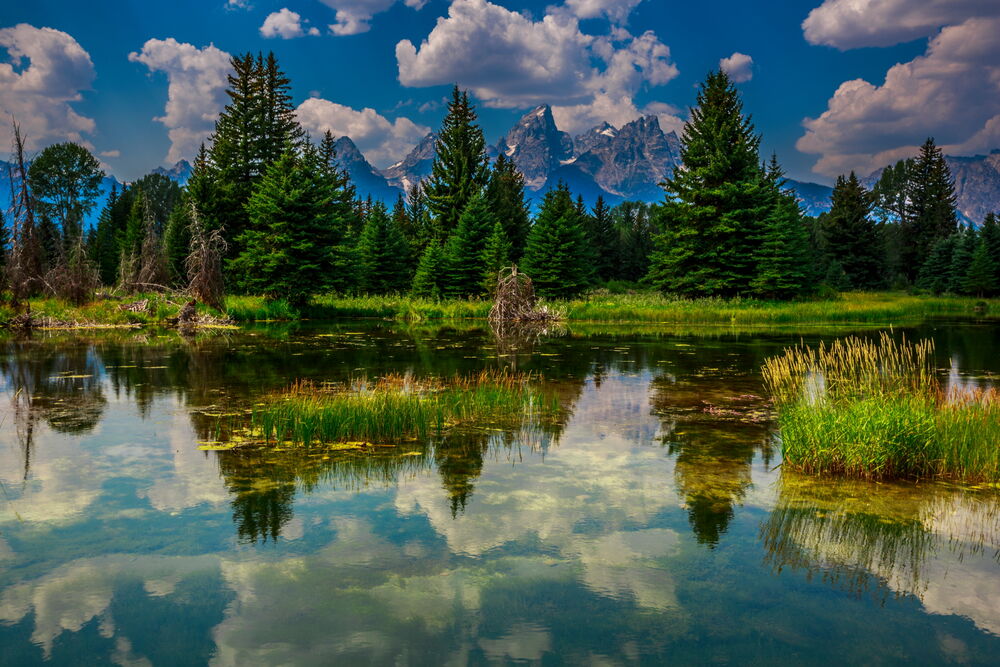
(952, 92)
(848, 24)
(195, 91)
(509, 60)
(738, 66)
(381, 140)
(111, 154)
(353, 16)
(285, 24)
(616, 11)
(46, 72)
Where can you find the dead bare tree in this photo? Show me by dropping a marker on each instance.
(515, 300)
(24, 268)
(204, 263)
(75, 277)
(147, 271)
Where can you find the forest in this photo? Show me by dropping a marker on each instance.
(268, 211)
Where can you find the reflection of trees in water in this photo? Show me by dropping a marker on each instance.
(865, 538)
(714, 422)
(65, 389)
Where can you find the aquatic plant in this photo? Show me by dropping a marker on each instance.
(877, 410)
(394, 409)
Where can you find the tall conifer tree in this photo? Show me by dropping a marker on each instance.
(851, 237)
(383, 254)
(929, 213)
(505, 194)
(557, 257)
(463, 254)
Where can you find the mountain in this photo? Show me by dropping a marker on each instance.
(595, 137)
(415, 167)
(365, 177)
(180, 172)
(536, 146)
(813, 197)
(977, 184)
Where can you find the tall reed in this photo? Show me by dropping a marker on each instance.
(877, 410)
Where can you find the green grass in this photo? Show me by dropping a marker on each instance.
(392, 410)
(876, 410)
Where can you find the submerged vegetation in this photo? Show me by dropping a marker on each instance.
(877, 410)
(393, 409)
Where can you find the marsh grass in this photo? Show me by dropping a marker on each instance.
(394, 409)
(877, 410)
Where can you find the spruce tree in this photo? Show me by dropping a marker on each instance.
(346, 226)
(496, 256)
(383, 255)
(461, 168)
(711, 220)
(427, 280)
(177, 239)
(935, 274)
(463, 253)
(784, 266)
(961, 259)
(929, 213)
(604, 240)
(851, 237)
(505, 194)
(991, 236)
(981, 276)
(287, 248)
(557, 257)
(634, 240)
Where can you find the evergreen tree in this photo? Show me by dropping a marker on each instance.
(427, 281)
(461, 168)
(463, 253)
(255, 128)
(287, 248)
(935, 274)
(991, 236)
(496, 256)
(981, 276)
(711, 221)
(505, 194)
(784, 259)
(347, 228)
(851, 237)
(961, 259)
(603, 239)
(383, 255)
(557, 257)
(177, 239)
(929, 214)
(634, 240)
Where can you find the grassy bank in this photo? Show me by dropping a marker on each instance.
(882, 308)
(392, 410)
(876, 410)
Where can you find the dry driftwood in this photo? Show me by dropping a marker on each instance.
(515, 300)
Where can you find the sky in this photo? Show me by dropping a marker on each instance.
(832, 85)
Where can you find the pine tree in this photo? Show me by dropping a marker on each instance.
(929, 214)
(557, 256)
(783, 261)
(981, 276)
(496, 256)
(427, 281)
(463, 253)
(935, 274)
(287, 248)
(460, 169)
(634, 240)
(255, 128)
(961, 259)
(991, 236)
(604, 240)
(346, 227)
(711, 221)
(851, 237)
(505, 194)
(383, 255)
(177, 239)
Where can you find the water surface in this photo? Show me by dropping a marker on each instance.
(651, 523)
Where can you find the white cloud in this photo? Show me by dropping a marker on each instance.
(848, 24)
(195, 91)
(738, 66)
(353, 16)
(381, 140)
(237, 4)
(111, 154)
(51, 71)
(952, 93)
(616, 11)
(510, 60)
(285, 24)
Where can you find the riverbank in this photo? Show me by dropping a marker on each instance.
(882, 308)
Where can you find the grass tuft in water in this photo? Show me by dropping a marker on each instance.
(876, 410)
(394, 409)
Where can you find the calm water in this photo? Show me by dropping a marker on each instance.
(653, 523)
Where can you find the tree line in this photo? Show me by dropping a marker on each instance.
(268, 210)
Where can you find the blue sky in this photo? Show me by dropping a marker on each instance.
(832, 84)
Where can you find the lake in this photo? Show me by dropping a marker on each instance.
(651, 522)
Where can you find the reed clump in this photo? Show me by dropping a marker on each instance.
(394, 408)
(876, 409)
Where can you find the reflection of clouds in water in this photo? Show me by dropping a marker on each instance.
(624, 563)
(191, 479)
(524, 642)
(69, 597)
